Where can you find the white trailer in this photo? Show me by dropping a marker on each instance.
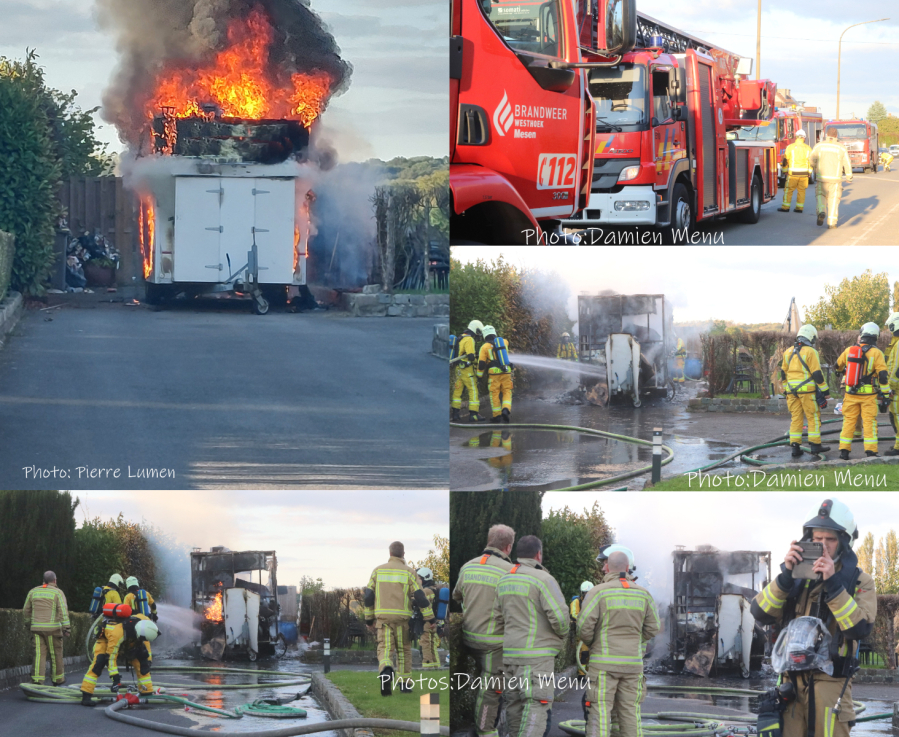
(623, 366)
(225, 227)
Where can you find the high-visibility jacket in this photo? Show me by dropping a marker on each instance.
(466, 350)
(111, 595)
(830, 161)
(476, 590)
(875, 379)
(531, 611)
(487, 357)
(131, 600)
(567, 352)
(46, 609)
(893, 364)
(796, 157)
(796, 378)
(396, 587)
(886, 159)
(616, 619)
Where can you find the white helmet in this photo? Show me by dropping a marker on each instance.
(116, 579)
(800, 133)
(425, 573)
(586, 586)
(488, 331)
(616, 548)
(476, 326)
(565, 335)
(807, 334)
(146, 629)
(893, 322)
(869, 333)
(131, 581)
(832, 514)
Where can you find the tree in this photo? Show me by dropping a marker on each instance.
(472, 514)
(862, 299)
(97, 557)
(876, 112)
(896, 296)
(888, 130)
(866, 554)
(886, 576)
(437, 560)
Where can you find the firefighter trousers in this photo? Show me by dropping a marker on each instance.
(105, 654)
(804, 406)
(611, 695)
(529, 697)
(796, 183)
(393, 637)
(678, 372)
(828, 196)
(500, 392)
(490, 687)
(826, 691)
(466, 378)
(853, 406)
(894, 418)
(48, 645)
(429, 642)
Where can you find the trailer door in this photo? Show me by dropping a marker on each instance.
(237, 222)
(197, 229)
(274, 217)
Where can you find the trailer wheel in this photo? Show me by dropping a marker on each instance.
(251, 654)
(260, 304)
(280, 646)
(751, 214)
(637, 402)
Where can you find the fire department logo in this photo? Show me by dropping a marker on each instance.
(502, 116)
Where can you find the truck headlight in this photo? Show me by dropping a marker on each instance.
(631, 205)
(628, 173)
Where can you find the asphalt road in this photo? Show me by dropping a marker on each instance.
(222, 398)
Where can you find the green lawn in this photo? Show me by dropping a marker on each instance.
(363, 690)
(864, 478)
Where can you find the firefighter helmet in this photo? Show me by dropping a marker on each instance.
(800, 133)
(586, 586)
(131, 581)
(565, 335)
(807, 334)
(488, 331)
(476, 327)
(116, 579)
(605, 552)
(870, 332)
(832, 514)
(146, 629)
(424, 573)
(893, 322)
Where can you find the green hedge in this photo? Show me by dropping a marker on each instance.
(17, 642)
(7, 253)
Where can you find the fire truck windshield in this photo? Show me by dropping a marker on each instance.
(847, 132)
(526, 26)
(619, 94)
(766, 132)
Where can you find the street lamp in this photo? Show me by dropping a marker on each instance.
(840, 52)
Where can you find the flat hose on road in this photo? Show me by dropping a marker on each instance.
(586, 431)
(113, 710)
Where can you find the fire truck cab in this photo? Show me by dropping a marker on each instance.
(860, 138)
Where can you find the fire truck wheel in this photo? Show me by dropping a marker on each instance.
(751, 214)
(681, 215)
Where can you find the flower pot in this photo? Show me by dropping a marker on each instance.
(99, 276)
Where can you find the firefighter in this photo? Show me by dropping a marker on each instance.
(617, 619)
(796, 170)
(893, 376)
(830, 163)
(583, 655)
(46, 615)
(132, 636)
(843, 597)
(466, 379)
(566, 350)
(140, 600)
(886, 158)
(112, 590)
(476, 591)
(680, 361)
(429, 640)
(530, 610)
(391, 592)
(872, 389)
(494, 359)
(806, 389)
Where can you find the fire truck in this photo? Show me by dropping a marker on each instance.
(782, 130)
(664, 104)
(521, 120)
(861, 141)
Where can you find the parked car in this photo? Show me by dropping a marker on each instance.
(894, 149)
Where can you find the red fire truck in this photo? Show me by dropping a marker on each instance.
(663, 109)
(781, 129)
(860, 139)
(521, 120)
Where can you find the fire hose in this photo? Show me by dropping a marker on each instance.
(585, 431)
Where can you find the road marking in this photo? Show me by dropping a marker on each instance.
(876, 224)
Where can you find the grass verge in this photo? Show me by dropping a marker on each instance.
(872, 477)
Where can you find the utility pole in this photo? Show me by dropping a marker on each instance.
(840, 55)
(758, 43)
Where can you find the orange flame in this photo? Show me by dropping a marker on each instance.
(214, 612)
(146, 214)
(241, 82)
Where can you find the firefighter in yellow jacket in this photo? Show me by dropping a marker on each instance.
(872, 390)
(46, 615)
(617, 619)
(803, 383)
(466, 378)
(481, 633)
(574, 608)
(886, 158)
(530, 610)
(680, 362)
(494, 360)
(430, 639)
(844, 598)
(796, 170)
(391, 591)
(566, 350)
(140, 600)
(830, 162)
(130, 635)
(893, 376)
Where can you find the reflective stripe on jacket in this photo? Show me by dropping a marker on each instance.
(394, 584)
(830, 161)
(797, 155)
(46, 608)
(476, 589)
(567, 351)
(875, 365)
(466, 350)
(797, 377)
(893, 363)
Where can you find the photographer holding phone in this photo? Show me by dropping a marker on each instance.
(835, 590)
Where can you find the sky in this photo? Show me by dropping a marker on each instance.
(744, 284)
(336, 536)
(800, 45)
(652, 524)
(396, 104)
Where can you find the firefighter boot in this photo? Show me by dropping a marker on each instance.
(892, 452)
(474, 417)
(495, 420)
(844, 455)
(386, 678)
(457, 415)
(405, 686)
(872, 454)
(818, 449)
(797, 451)
(821, 218)
(507, 416)
(783, 209)
(86, 699)
(116, 681)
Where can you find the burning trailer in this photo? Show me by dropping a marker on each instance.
(631, 336)
(710, 623)
(240, 616)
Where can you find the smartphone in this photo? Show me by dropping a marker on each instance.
(810, 553)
